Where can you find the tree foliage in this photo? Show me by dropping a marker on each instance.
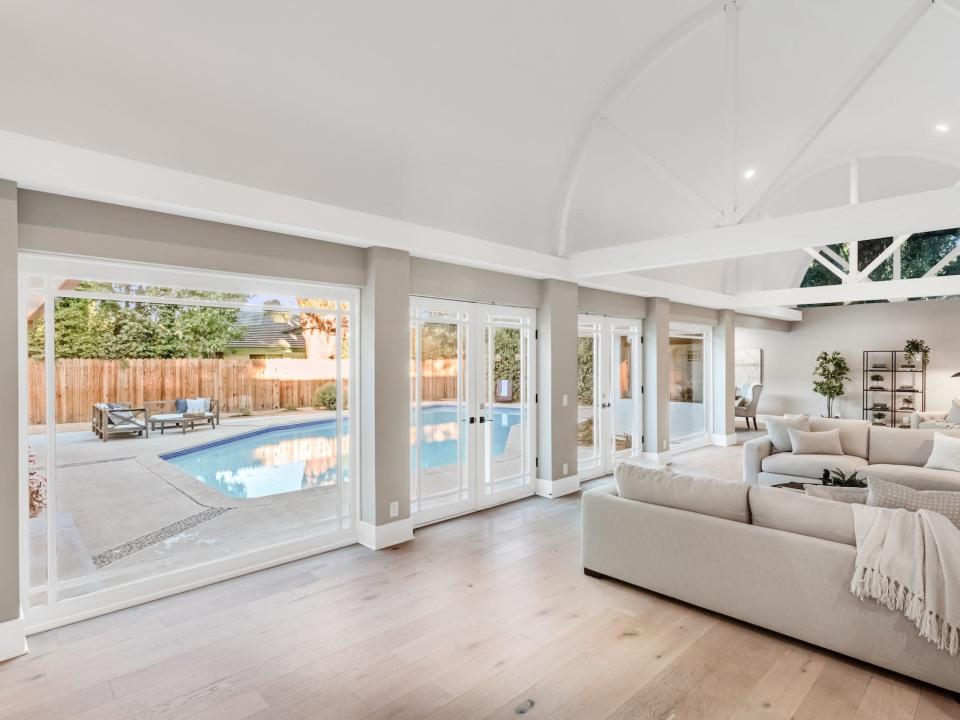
(585, 357)
(829, 375)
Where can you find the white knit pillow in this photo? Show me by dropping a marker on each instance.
(945, 454)
(890, 495)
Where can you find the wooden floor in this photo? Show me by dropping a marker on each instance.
(488, 615)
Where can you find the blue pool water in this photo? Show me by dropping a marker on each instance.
(297, 457)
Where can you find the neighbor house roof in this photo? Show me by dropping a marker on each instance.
(268, 330)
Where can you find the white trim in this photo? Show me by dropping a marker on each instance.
(173, 583)
(815, 254)
(377, 537)
(557, 488)
(13, 639)
(851, 292)
(664, 457)
(724, 440)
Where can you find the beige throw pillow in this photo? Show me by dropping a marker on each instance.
(890, 495)
(851, 495)
(684, 492)
(777, 429)
(945, 454)
(802, 514)
(825, 442)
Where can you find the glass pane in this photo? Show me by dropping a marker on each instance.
(441, 438)
(37, 486)
(190, 433)
(624, 410)
(587, 426)
(687, 408)
(506, 429)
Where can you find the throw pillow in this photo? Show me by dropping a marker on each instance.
(777, 429)
(945, 454)
(851, 495)
(742, 402)
(953, 417)
(180, 406)
(195, 406)
(890, 495)
(706, 496)
(826, 442)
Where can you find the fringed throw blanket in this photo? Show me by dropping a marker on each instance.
(910, 561)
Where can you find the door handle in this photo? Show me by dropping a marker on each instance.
(472, 420)
(604, 406)
(482, 419)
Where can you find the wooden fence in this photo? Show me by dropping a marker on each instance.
(238, 383)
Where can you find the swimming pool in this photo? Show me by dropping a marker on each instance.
(300, 456)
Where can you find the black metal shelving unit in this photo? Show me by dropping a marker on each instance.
(897, 383)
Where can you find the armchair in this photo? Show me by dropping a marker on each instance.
(747, 408)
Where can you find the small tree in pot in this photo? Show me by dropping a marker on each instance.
(829, 375)
(914, 348)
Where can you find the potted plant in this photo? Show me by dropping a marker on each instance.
(829, 375)
(838, 478)
(913, 349)
(879, 418)
(877, 382)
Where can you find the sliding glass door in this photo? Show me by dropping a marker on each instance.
(609, 401)
(472, 407)
(178, 427)
(690, 386)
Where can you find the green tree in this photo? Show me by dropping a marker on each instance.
(829, 375)
(585, 371)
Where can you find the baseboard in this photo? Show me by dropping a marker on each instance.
(724, 440)
(377, 537)
(662, 458)
(13, 639)
(557, 488)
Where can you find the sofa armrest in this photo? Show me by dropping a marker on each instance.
(919, 417)
(754, 451)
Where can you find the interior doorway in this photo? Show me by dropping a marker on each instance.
(691, 386)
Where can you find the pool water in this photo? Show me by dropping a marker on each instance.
(302, 456)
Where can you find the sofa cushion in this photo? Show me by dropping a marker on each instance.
(810, 466)
(945, 454)
(777, 429)
(916, 477)
(895, 446)
(852, 495)
(953, 416)
(826, 442)
(180, 406)
(855, 435)
(802, 514)
(684, 492)
(891, 495)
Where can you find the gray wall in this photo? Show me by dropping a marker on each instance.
(429, 278)
(656, 376)
(53, 223)
(385, 386)
(789, 357)
(602, 302)
(9, 409)
(556, 377)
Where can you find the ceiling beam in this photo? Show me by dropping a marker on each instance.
(853, 292)
(667, 42)
(815, 254)
(863, 73)
(731, 105)
(919, 212)
(670, 177)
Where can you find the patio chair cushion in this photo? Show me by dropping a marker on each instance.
(180, 406)
(167, 417)
(195, 406)
(206, 403)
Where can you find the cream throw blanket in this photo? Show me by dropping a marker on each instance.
(910, 561)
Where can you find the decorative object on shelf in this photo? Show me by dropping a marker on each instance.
(878, 366)
(903, 390)
(916, 348)
(879, 417)
(830, 373)
(838, 478)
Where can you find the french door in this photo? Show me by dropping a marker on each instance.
(472, 413)
(691, 386)
(609, 398)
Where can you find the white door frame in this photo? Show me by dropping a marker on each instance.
(605, 330)
(475, 319)
(707, 332)
(49, 269)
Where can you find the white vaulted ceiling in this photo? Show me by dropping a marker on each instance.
(493, 118)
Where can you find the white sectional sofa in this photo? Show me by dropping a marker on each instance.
(882, 452)
(753, 553)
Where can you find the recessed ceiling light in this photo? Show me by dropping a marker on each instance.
(941, 127)
(749, 173)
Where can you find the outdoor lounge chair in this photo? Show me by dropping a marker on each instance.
(118, 419)
(165, 414)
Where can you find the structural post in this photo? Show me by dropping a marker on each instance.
(724, 379)
(12, 638)
(385, 400)
(557, 389)
(656, 380)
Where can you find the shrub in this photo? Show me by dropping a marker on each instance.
(326, 397)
